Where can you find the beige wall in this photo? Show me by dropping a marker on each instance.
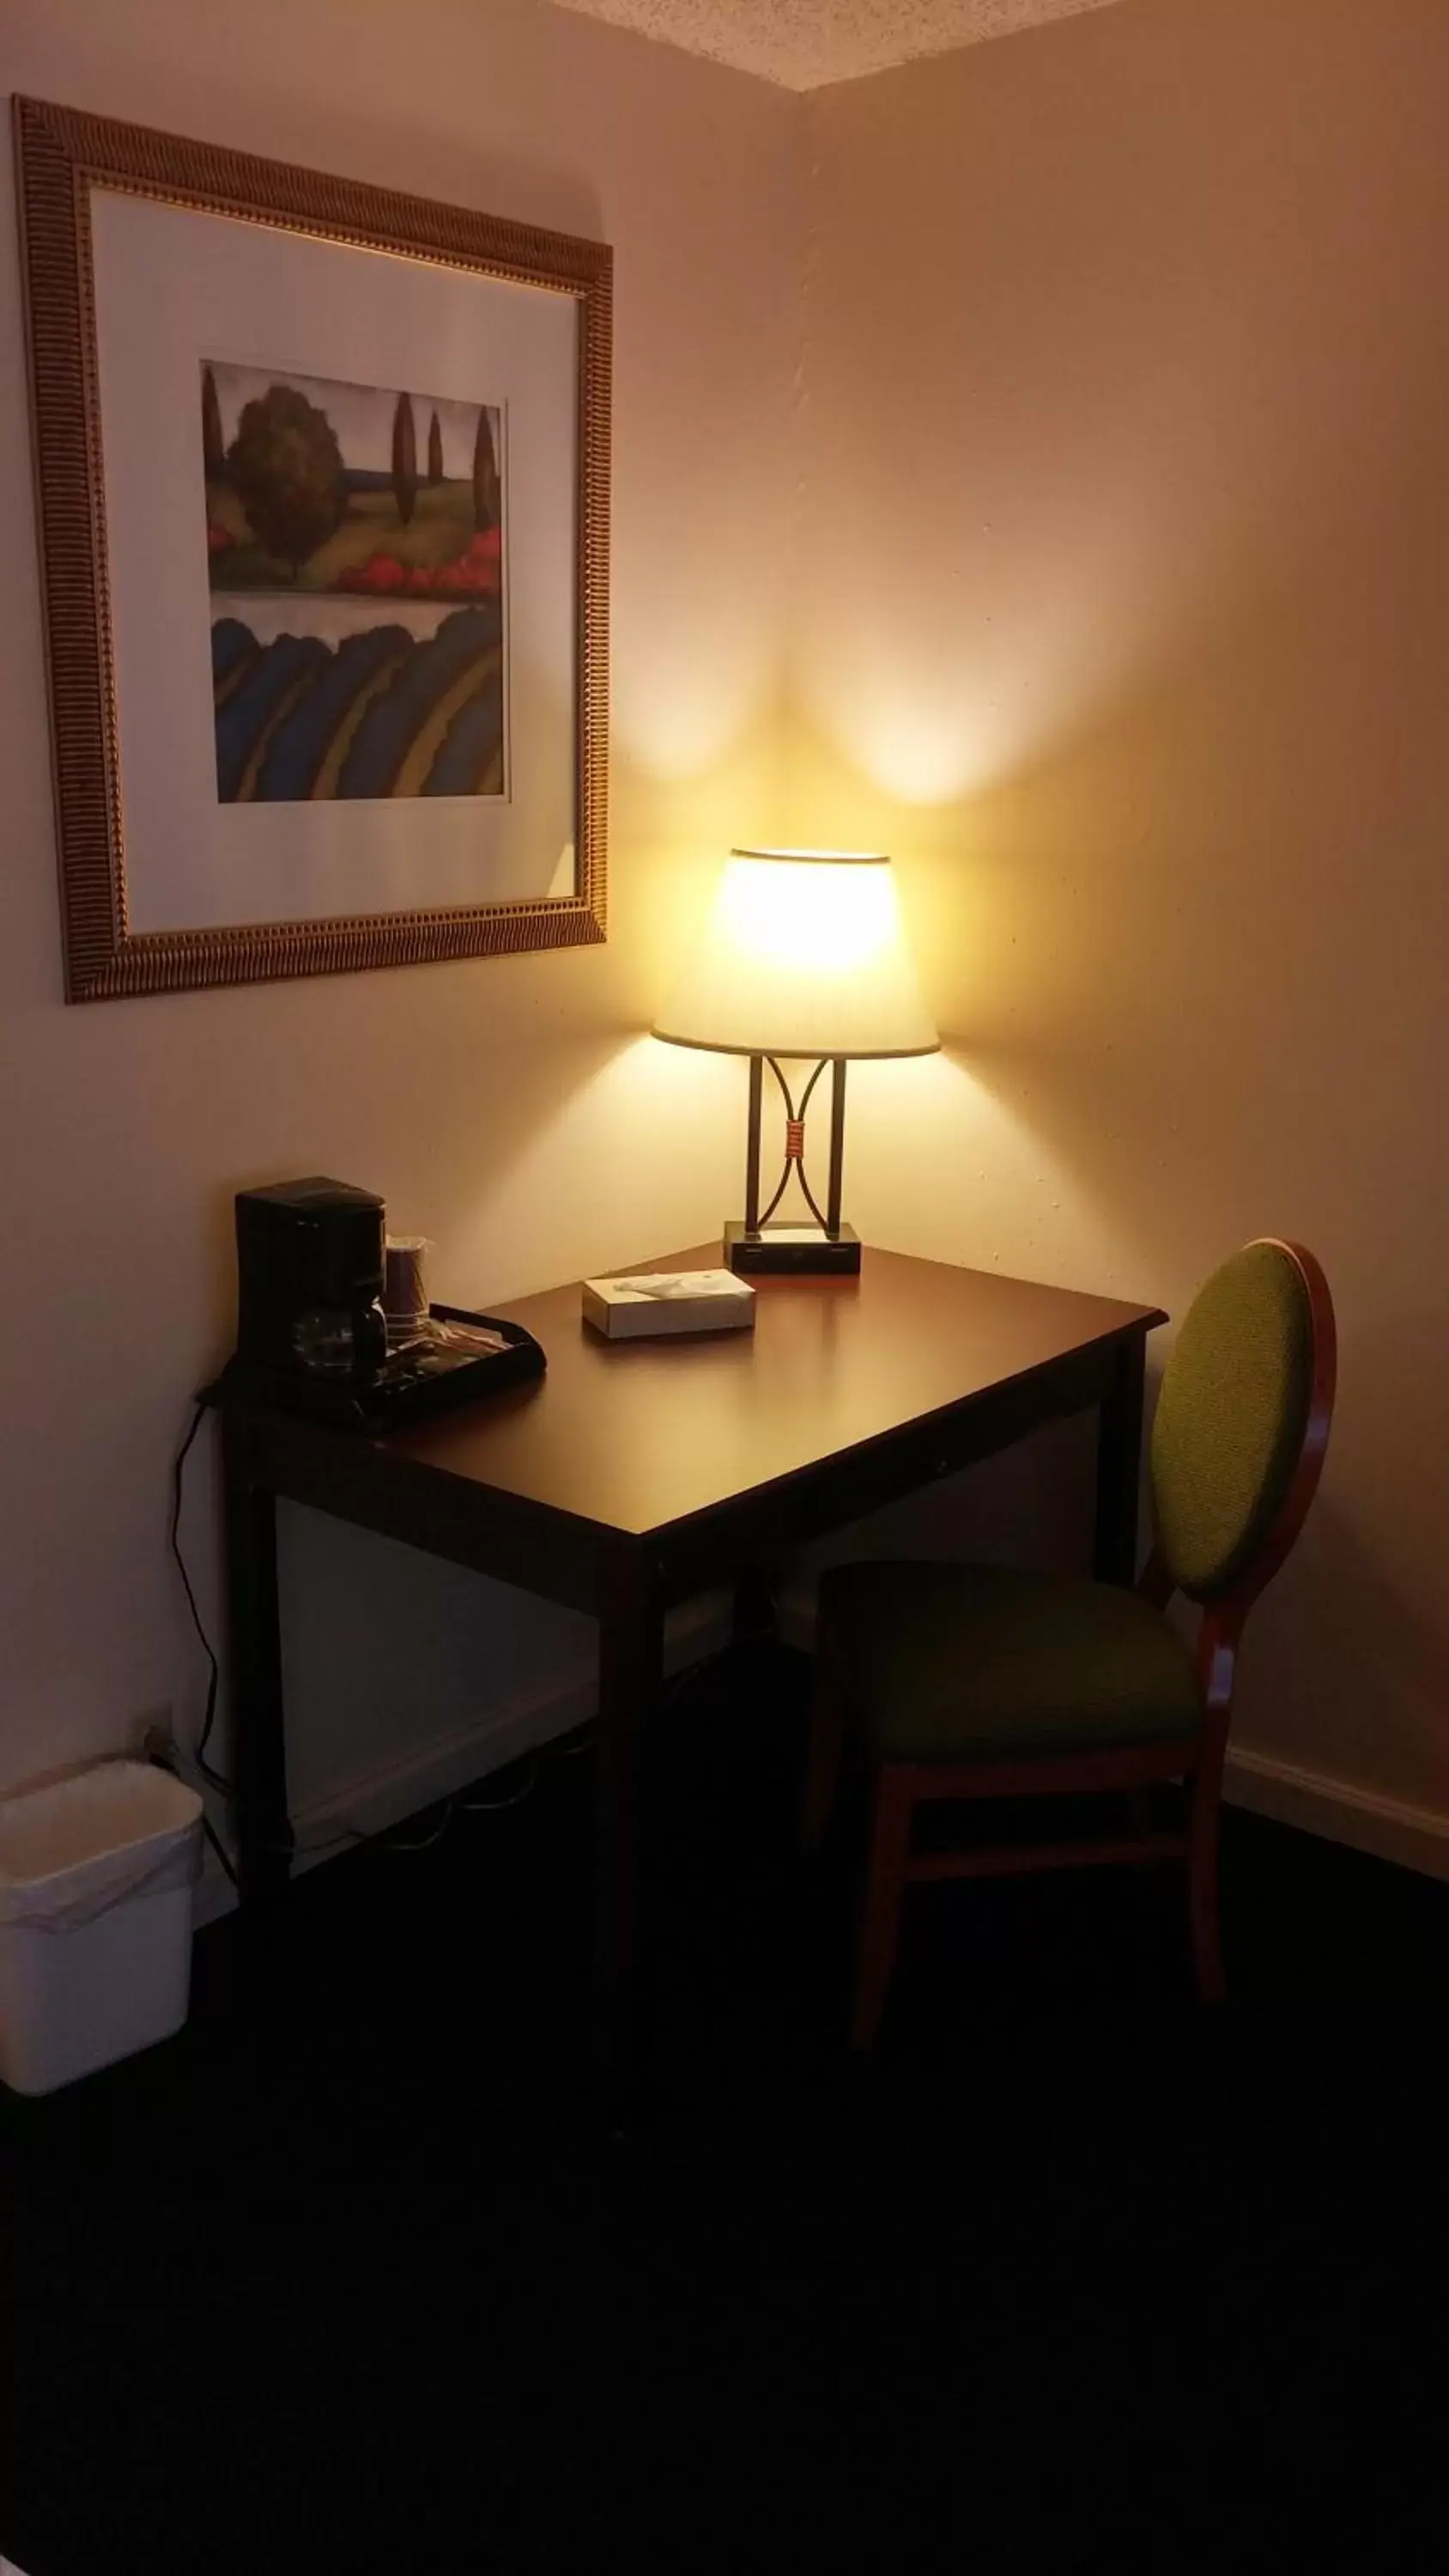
(508, 1108)
(1119, 610)
(1124, 616)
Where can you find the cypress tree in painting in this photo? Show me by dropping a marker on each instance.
(435, 452)
(487, 490)
(213, 445)
(404, 458)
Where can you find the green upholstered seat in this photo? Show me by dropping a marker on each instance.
(943, 1663)
(1230, 1417)
(953, 1663)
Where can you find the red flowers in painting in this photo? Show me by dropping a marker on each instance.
(474, 574)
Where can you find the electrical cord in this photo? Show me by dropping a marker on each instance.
(496, 1806)
(214, 1778)
(354, 1837)
(585, 1740)
(220, 1849)
(388, 1838)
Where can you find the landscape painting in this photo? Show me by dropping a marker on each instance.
(355, 550)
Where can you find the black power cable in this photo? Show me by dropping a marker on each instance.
(220, 1849)
(350, 1835)
(215, 1779)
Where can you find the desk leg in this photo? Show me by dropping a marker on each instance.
(631, 1654)
(1119, 1465)
(254, 1663)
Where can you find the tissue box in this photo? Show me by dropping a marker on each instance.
(669, 1301)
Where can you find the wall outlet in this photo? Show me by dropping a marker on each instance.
(152, 1736)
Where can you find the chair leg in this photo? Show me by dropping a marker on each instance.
(1202, 1891)
(890, 1842)
(822, 1773)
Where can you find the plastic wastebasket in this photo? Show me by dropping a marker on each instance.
(96, 1874)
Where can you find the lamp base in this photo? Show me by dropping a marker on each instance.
(792, 1248)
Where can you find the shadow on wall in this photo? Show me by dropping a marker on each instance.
(1346, 1666)
(1032, 1505)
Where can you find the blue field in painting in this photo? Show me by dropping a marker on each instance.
(383, 713)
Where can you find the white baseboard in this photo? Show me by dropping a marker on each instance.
(1389, 1828)
(439, 1769)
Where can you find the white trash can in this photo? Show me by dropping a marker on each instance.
(96, 1874)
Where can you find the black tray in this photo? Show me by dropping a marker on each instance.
(404, 1391)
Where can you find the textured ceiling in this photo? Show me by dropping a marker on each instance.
(805, 43)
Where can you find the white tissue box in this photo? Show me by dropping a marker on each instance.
(669, 1301)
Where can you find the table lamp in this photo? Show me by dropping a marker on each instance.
(804, 957)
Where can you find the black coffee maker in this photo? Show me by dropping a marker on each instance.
(312, 1335)
(310, 1274)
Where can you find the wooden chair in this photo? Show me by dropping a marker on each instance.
(962, 1682)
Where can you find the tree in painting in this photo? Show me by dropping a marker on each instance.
(404, 459)
(286, 467)
(487, 490)
(213, 436)
(435, 450)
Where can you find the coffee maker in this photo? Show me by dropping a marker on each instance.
(310, 1273)
(313, 1335)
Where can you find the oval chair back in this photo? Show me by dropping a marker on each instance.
(1237, 1449)
(1241, 1427)
(1238, 1444)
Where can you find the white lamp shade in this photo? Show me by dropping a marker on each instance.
(804, 954)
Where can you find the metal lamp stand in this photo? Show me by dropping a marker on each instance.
(759, 1245)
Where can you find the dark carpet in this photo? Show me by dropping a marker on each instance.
(1071, 2274)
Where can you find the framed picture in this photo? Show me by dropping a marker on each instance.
(323, 479)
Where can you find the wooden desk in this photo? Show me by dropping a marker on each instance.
(639, 1473)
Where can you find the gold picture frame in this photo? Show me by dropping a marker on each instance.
(63, 157)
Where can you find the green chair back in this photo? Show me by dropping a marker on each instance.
(1232, 1417)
